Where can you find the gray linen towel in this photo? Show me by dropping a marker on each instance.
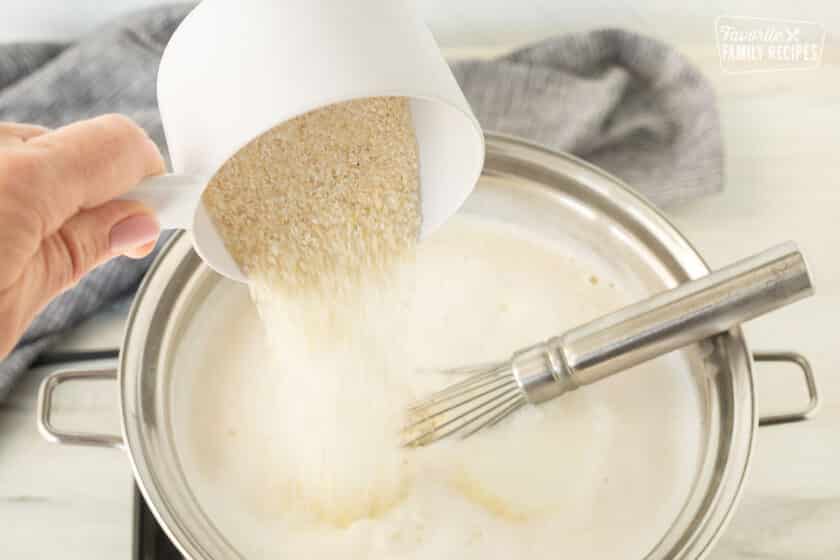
(622, 101)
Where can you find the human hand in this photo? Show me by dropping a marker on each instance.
(58, 216)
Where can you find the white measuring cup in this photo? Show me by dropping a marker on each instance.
(235, 69)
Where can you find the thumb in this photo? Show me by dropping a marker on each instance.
(92, 236)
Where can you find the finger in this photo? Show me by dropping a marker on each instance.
(83, 165)
(90, 238)
(12, 134)
(141, 251)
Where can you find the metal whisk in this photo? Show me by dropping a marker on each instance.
(670, 320)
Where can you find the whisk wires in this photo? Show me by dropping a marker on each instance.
(486, 397)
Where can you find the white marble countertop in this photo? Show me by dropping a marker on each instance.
(783, 147)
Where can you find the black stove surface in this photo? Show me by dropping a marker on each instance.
(150, 542)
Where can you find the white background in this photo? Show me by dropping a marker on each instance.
(469, 22)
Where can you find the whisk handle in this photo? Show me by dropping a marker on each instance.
(683, 315)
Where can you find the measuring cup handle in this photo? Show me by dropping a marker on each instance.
(174, 198)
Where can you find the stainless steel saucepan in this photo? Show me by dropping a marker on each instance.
(554, 195)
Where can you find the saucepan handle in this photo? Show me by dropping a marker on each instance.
(45, 400)
(804, 366)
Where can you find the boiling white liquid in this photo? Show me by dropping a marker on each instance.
(599, 473)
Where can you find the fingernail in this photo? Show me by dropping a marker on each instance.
(134, 232)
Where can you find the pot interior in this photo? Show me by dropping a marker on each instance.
(554, 196)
